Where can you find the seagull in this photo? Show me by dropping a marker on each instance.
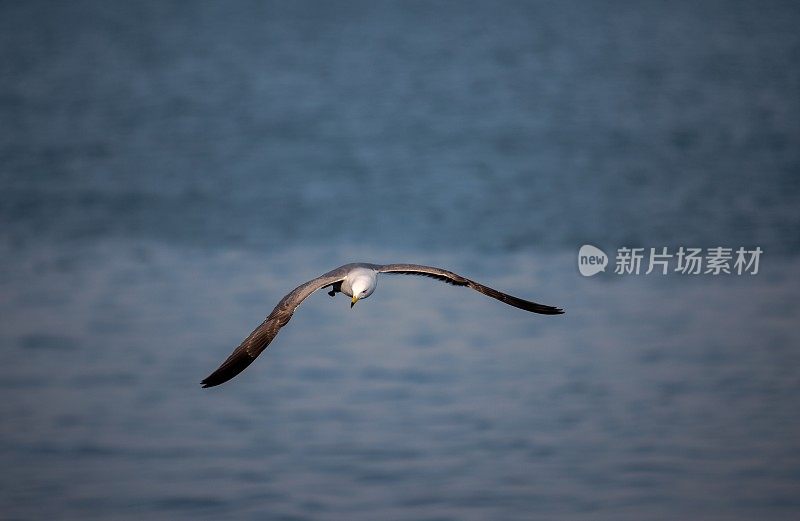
(357, 281)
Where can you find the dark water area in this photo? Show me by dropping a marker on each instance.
(169, 170)
(425, 125)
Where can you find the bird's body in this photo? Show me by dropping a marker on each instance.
(360, 282)
(357, 281)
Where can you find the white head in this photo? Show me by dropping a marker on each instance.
(362, 287)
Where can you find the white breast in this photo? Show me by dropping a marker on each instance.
(363, 278)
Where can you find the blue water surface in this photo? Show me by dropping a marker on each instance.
(169, 170)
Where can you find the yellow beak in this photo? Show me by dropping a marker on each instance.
(353, 302)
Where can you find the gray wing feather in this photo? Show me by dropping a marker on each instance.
(457, 280)
(260, 338)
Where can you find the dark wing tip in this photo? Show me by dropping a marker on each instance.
(212, 380)
(549, 310)
(220, 376)
(234, 365)
(217, 377)
(533, 307)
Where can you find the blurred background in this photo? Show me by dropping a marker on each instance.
(169, 170)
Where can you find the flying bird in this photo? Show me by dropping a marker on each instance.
(357, 281)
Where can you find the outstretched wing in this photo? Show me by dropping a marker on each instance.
(458, 280)
(259, 339)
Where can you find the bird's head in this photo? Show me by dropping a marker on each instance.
(362, 288)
